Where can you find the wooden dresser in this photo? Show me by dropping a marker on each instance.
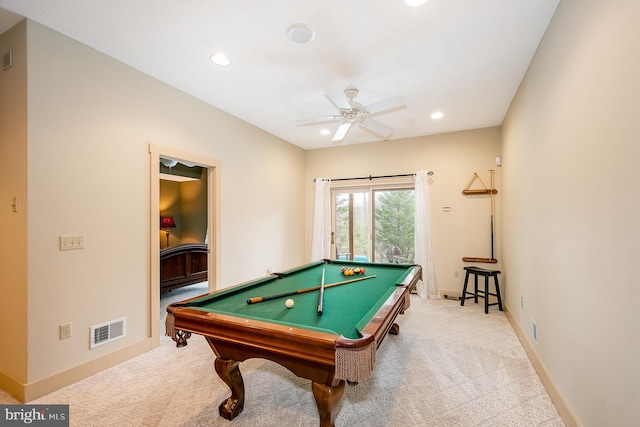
(183, 265)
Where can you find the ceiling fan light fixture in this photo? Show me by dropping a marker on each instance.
(220, 59)
(342, 131)
(351, 112)
(300, 33)
(415, 3)
(169, 162)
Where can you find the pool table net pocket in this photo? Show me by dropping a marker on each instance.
(180, 337)
(355, 364)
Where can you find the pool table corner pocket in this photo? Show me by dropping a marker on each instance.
(355, 363)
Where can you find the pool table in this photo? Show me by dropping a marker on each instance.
(329, 349)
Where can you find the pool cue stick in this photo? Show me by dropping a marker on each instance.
(302, 291)
(492, 209)
(321, 297)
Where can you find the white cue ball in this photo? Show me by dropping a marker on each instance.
(289, 303)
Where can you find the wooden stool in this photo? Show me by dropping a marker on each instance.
(476, 271)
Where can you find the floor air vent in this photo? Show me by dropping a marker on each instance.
(107, 332)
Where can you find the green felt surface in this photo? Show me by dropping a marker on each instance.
(346, 307)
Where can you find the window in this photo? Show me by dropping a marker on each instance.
(373, 224)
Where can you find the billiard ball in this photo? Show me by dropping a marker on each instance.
(289, 303)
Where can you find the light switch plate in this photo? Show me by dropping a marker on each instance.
(70, 242)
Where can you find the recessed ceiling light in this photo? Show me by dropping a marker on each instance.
(415, 3)
(437, 115)
(220, 59)
(325, 132)
(300, 33)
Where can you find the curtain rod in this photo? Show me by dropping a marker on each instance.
(430, 173)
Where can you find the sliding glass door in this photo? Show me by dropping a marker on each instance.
(373, 224)
(352, 230)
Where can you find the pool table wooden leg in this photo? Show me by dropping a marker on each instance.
(328, 400)
(229, 371)
(181, 338)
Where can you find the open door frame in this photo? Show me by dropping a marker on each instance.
(213, 226)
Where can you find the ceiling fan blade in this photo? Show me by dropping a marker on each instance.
(341, 132)
(337, 98)
(397, 102)
(377, 127)
(303, 122)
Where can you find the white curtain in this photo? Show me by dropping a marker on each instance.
(427, 287)
(321, 240)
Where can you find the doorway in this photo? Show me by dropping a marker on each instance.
(211, 172)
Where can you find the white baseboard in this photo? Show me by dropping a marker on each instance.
(566, 413)
(31, 391)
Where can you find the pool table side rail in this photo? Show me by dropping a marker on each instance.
(301, 351)
(356, 364)
(315, 355)
(397, 303)
(300, 268)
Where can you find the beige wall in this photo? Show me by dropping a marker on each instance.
(454, 157)
(13, 183)
(193, 196)
(90, 122)
(571, 202)
(170, 206)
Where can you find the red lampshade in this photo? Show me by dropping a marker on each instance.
(167, 222)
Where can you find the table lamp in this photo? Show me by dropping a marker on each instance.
(167, 222)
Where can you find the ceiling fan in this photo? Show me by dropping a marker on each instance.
(351, 112)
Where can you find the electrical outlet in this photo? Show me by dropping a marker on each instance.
(533, 329)
(65, 331)
(521, 302)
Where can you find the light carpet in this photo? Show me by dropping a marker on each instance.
(449, 366)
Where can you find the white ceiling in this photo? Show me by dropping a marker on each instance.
(465, 58)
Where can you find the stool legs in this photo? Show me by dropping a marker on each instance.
(495, 278)
(464, 288)
(475, 288)
(479, 293)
